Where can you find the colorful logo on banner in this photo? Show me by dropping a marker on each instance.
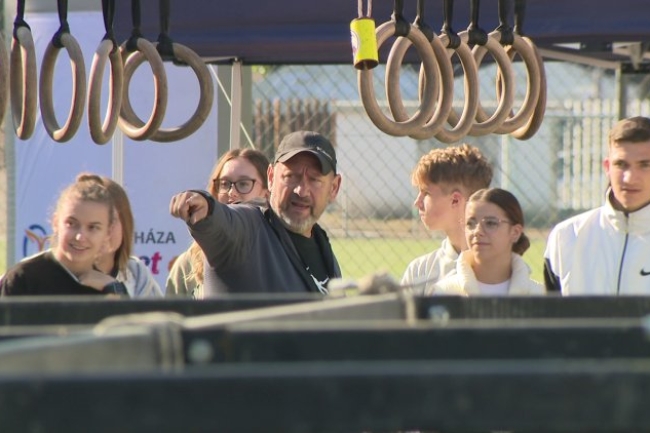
(36, 240)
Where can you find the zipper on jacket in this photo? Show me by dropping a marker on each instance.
(620, 266)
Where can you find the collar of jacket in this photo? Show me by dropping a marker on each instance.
(637, 222)
(519, 279)
(321, 239)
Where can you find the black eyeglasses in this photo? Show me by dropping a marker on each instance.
(489, 224)
(242, 186)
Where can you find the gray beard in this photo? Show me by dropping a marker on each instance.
(299, 228)
(287, 222)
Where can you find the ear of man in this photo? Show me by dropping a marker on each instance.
(336, 186)
(269, 176)
(457, 198)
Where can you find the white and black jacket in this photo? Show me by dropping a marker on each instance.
(464, 281)
(423, 272)
(600, 252)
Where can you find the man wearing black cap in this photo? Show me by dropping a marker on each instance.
(276, 249)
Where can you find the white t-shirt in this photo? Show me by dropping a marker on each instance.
(499, 289)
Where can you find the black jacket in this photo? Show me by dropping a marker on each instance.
(247, 249)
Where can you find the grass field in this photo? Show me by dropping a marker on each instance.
(359, 257)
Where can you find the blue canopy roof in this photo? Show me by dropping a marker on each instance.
(310, 31)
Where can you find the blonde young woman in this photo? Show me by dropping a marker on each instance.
(81, 227)
(118, 261)
(492, 266)
(239, 176)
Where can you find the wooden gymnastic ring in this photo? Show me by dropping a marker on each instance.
(462, 126)
(444, 96)
(463, 123)
(488, 126)
(100, 131)
(533, 82)
(129, 122)
(392, 81)
(185, 54)
(367, 90)
(535, 122)
(75, 115)
(23, 78)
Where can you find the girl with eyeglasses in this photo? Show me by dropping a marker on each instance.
(238, 177)
(492, 265)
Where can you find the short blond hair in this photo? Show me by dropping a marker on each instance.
(462, 167)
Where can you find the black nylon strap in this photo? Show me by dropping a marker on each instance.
(477, 36)
(419, 21)
(402, 27)
(520, 13)
(507, 36)
(448, 13)
(62, 8)
(108, 11)
(20, 17)
(165, 44)
(136, 33)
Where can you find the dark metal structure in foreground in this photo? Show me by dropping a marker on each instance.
(369, 363)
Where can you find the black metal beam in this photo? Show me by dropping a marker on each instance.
(68, 310)
(532, 396)
(275, 342)
(256, 342)
(480, 307)
(51, 310)
(84, 310)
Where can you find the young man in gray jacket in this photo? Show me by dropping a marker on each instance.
(278, 248)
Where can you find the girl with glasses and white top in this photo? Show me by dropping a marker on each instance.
(238, 177)
(492, 266)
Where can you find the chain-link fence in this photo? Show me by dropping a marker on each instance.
(373, 225)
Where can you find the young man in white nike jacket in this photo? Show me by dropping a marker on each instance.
(606, 251)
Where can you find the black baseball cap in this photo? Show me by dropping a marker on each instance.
(307, 141)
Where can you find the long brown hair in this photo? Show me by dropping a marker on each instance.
(261, 164)
(125, 214)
